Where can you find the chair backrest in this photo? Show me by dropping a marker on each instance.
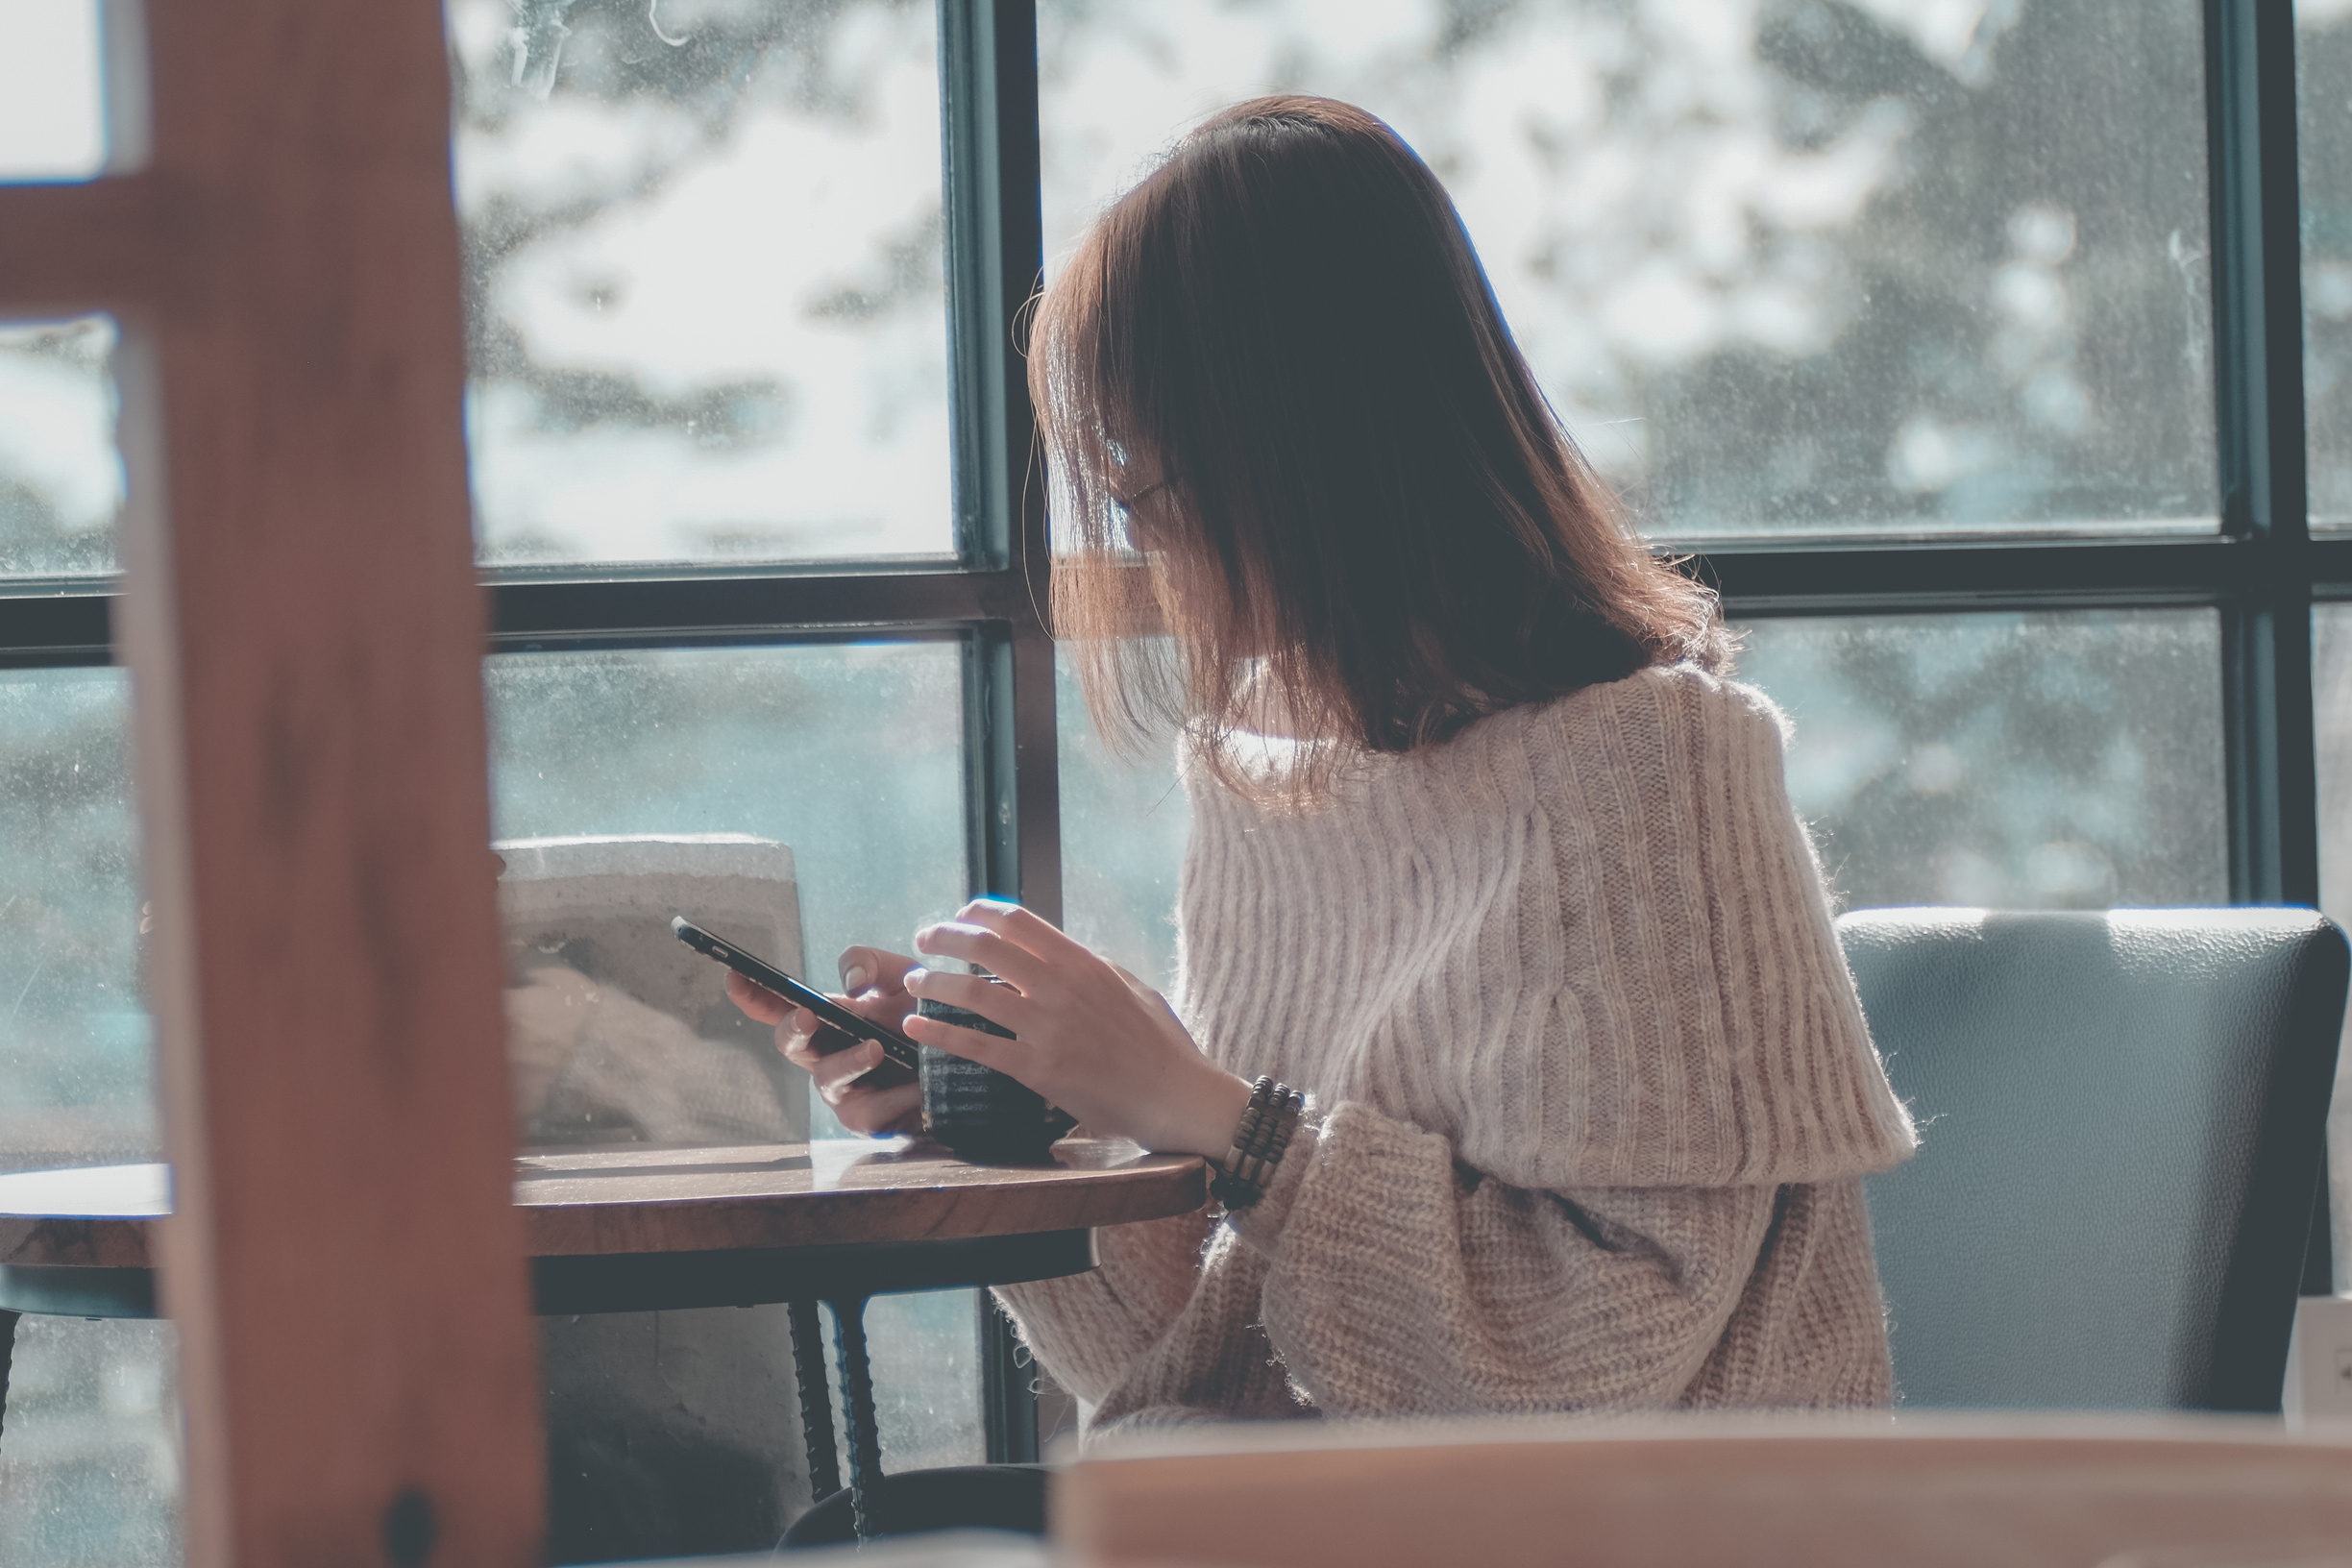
(2122, 1118)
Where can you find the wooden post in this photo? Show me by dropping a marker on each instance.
(305, 634)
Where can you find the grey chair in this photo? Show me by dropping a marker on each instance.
(2122, 1123)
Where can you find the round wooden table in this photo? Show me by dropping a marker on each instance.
(632, 1228)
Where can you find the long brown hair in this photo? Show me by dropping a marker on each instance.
(1276, 369)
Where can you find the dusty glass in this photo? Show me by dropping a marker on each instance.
(2331, 714)
(2323, 148)
(1123, 826)
(2058, 760)
(1784, 266)
(52, 91)
(852, 756)
(89, 1471)
(76, 1079)
(61, 471)
(705, 294)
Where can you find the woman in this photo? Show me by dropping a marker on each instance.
(1488, 858)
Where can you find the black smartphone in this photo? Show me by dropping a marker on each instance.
(897, 1048)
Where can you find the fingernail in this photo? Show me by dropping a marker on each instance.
(915, 977)
(854, 977)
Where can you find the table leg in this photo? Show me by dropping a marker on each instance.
(816, 1399)
(8, 1353)
(858, 1403)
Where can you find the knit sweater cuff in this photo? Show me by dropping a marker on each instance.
(1261, 1224)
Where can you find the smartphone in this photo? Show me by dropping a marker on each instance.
(897, 1048)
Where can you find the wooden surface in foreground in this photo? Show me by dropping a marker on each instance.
(1807, 1493)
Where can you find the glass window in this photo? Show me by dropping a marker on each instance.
(92, 1475)
(1805, 268)
(76, 1075)
(2323, 145)
(52, 91)
(61, 471)
(704, 286)
(89, 1471)
(850, 756)
(1123, 827)
(2332, 701)
(2059, 760)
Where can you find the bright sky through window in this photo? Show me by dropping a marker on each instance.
(51, 112)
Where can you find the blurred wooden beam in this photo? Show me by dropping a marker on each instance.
(116, 245)
(305, 631)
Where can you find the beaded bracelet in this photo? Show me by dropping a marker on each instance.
(1259, 1142)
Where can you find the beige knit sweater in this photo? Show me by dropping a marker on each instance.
(1590, 1090)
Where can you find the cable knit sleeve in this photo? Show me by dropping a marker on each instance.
(1399, 1283)
(1091, 1329)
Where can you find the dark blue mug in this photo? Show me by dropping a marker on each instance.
(983, 1116)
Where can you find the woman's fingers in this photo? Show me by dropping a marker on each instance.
(871, 968)
(988, 1050)
(836, 1073)
(876, 1112)
(887, 1008)
(979, 944)
(840, 1068)
(1026, 930)
(998, 1004)
(757, 1001)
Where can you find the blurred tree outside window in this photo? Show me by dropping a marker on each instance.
(2323, 147)
(705, 290)
(1784, 266)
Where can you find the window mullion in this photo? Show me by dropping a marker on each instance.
(2258, 365)
(2259, 399)
(988, 58)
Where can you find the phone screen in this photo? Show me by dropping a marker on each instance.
(896, 1048)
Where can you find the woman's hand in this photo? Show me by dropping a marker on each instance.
(875, 982)
(1094, 1040)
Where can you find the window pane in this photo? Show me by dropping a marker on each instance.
(76, 1080)
(61, 471)
(1123, 829)
(705, 292)
(2323, 143)
(52, 86)
(2066, 760)
(89, 1471)
(2331, 712)
(1796, 268)
(90, 1475)
(852, 756)
(849, 755)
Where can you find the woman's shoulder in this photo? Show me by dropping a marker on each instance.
(1659, 698)
(1665, 717)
